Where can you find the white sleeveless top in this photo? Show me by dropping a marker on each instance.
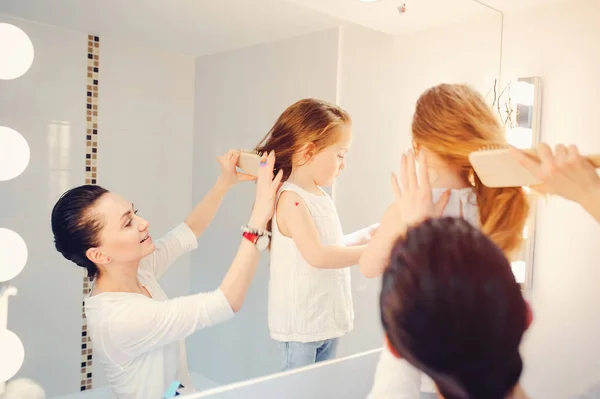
(396, 378)
(307, 304)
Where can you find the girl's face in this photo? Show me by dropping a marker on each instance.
(327, 164)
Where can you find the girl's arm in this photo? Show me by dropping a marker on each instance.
(360, 237)
(376, 256)
(295, 219)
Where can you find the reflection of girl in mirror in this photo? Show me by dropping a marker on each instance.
(449, 123)
(136, 331)
(310, 303)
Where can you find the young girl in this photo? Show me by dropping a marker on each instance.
(449, 123)
(310, 302)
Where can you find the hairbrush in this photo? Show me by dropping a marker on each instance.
(497, 167)
(249, 161)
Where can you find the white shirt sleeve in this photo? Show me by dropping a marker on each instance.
(143, 324)
(175, 243)
(395, 378)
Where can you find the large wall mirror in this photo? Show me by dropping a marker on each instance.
(150, 94)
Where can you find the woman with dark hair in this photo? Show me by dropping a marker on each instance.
(137, 332)
(450, 304)
(451, 307)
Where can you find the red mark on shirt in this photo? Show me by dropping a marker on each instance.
(297, 203)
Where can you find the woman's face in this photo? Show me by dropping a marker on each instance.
(124, 236)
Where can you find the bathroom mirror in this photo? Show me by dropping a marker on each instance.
(140, 97)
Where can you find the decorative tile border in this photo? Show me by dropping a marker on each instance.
(91, 154)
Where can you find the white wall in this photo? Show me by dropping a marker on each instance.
(146, 119)
(47, 106)
(239, 95)
(559, 43)
(145, 137)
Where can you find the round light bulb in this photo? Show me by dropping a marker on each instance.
(14, 153)
(13, 354)
(16, 52)
(13, 255)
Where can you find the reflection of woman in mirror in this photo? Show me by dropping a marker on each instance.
(450, 304)
(451, 307)
(449, 123)
(136, 331)
(310, 303)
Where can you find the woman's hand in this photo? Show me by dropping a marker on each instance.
(567, 174)
(266, 192)
(414, 198)
(229, 174)
(413, 204)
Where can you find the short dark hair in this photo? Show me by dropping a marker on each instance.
(450, 306)
(75, 230)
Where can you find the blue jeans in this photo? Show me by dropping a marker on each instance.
(300, 354)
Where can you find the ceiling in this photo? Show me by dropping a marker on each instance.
(383, 15)
(200, 27)
(517, 5)
(195, 27)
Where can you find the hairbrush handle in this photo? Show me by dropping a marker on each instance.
(249, 161)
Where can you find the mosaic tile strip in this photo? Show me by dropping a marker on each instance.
(91, 154)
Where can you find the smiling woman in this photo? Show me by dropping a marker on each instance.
(137, 331)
